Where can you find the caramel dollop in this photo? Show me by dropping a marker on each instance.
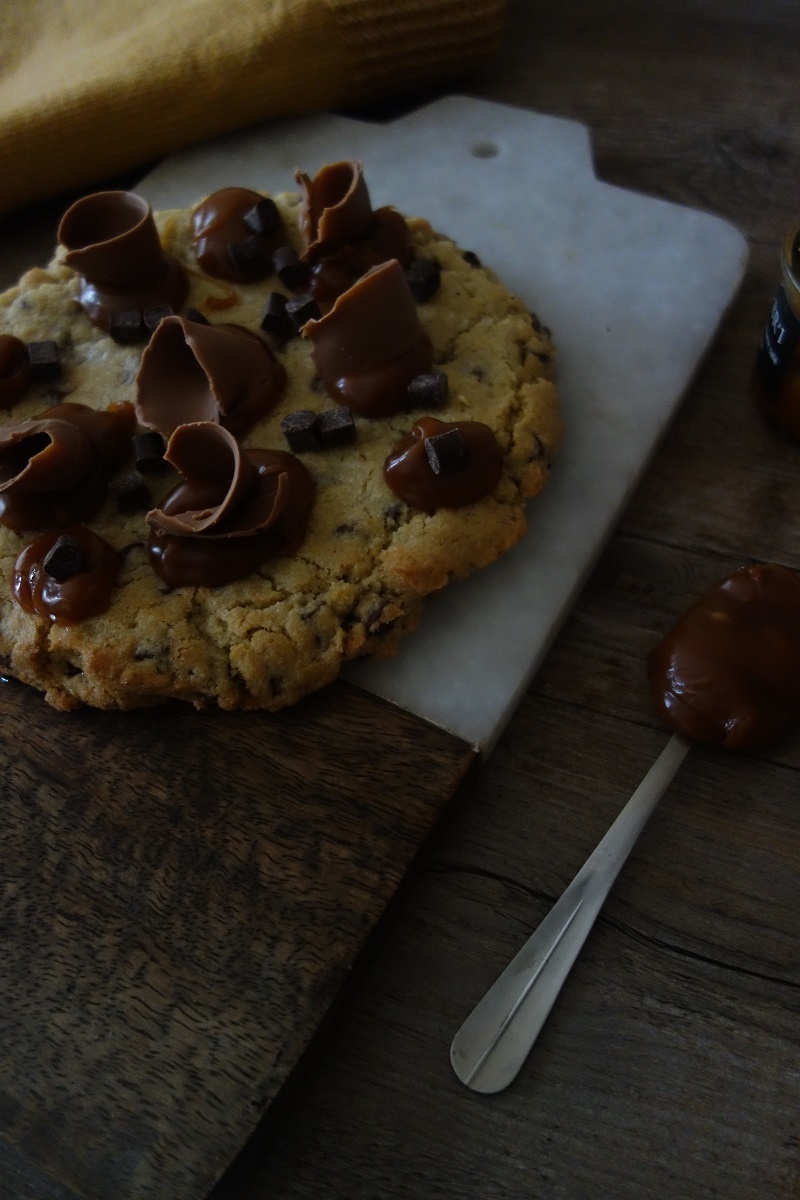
(87, 593)
(233, 509)
(409, 472)
(370, 345)
(55, 468)
(344, 236)
(112, 242)
(231, 240)
(728, 673)
(191, 372)
(15, 369)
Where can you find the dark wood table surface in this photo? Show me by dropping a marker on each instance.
(670, 1067)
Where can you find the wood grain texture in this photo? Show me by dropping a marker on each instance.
(670, 1068)
(184, 895)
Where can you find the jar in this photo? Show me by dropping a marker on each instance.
(777, 370)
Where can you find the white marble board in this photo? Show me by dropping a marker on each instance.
(633, 289)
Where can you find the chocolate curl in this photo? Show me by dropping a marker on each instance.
(208, 454)
(336, 208)
(372, 323)
(111, 238)
(48, 455)
(191, 372)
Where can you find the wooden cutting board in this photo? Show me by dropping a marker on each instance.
(184, 894)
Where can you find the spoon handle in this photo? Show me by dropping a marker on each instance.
(497, 1036)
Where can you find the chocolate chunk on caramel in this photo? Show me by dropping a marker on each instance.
(44, 360)
(471, 257)
(263, 218)
(424, 277)
(301, 431)
(148, 451)
(336, 426)
(65, 559)
(249, 258)
(428, 391)
(446, 452)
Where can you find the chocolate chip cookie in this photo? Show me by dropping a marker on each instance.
(240, 443)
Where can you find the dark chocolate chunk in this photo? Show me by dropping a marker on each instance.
(65, 559)
(250, 258)
(424, 276)
(130, 492)
(471, 257)
(263, 218)
(447, 452)
(275, 319)
(302, 308)
(126, 327)
(194, 314)
(428, 391)
(336, 426)
(301, 431)
(148, 451)
(292, 273)
(152, 317)
(44, 360)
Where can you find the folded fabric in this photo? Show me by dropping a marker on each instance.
(91, 88)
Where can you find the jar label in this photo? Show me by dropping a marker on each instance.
(781, 336)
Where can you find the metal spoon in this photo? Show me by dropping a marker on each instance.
(497, 1036)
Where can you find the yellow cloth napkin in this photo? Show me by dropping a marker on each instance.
(91, 88)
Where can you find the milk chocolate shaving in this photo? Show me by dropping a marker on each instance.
(232, 511)
(55, 468)
(43, 455)
(112, 242)
(191, 372)
(728, 673)
(472, 474)
(344, 237)
(336, 208)
(370, 345)
(207, 452)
